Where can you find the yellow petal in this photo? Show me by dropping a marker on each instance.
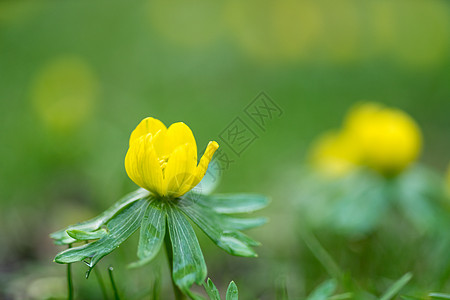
(176, 135)
(164, 160)
(148, 125)
(179, 170)
(390, 140)
(204, 162)
(142, 165)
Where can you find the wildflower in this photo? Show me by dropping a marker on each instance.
(384, 139)
(164, 160)
(390, 140)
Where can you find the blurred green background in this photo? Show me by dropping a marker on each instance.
(76, 77)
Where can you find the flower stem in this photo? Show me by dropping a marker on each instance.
(69, 280)
(113, 284)
(101, 283)
(178, 293)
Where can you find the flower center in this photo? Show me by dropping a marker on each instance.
(163, 162)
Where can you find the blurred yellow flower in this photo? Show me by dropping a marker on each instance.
(164, 160)
(384, 139)
(389, 139)
(334, 154)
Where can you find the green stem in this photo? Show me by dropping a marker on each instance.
(101, 283)
(113, 284)
(282, 291)
(321, 254)
(178, 293)
(69, 280)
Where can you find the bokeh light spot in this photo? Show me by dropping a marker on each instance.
(64, 92)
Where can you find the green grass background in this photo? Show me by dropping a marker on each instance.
(201, 63)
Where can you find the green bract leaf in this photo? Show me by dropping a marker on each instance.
(62, 238)
(211, 290)
(213, 293)
(232, 292)
(81, 235)
(323, 291)
(188, 263)
(365, 205)
(120, 227)
(419, 192)
(152, 234)
(326, 203)
(243, 238)
(218, 228)
(244, 224)
(234, 203)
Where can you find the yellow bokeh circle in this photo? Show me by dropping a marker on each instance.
(64, 92)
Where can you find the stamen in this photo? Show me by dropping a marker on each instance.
(163, 162)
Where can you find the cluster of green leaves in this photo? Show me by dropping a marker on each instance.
(417, 194)
(213, 292)
(327, 291)
(161, 219)
(376, 227)
(352, 286)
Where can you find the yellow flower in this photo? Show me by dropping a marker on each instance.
(164, 160)
(389, 138)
